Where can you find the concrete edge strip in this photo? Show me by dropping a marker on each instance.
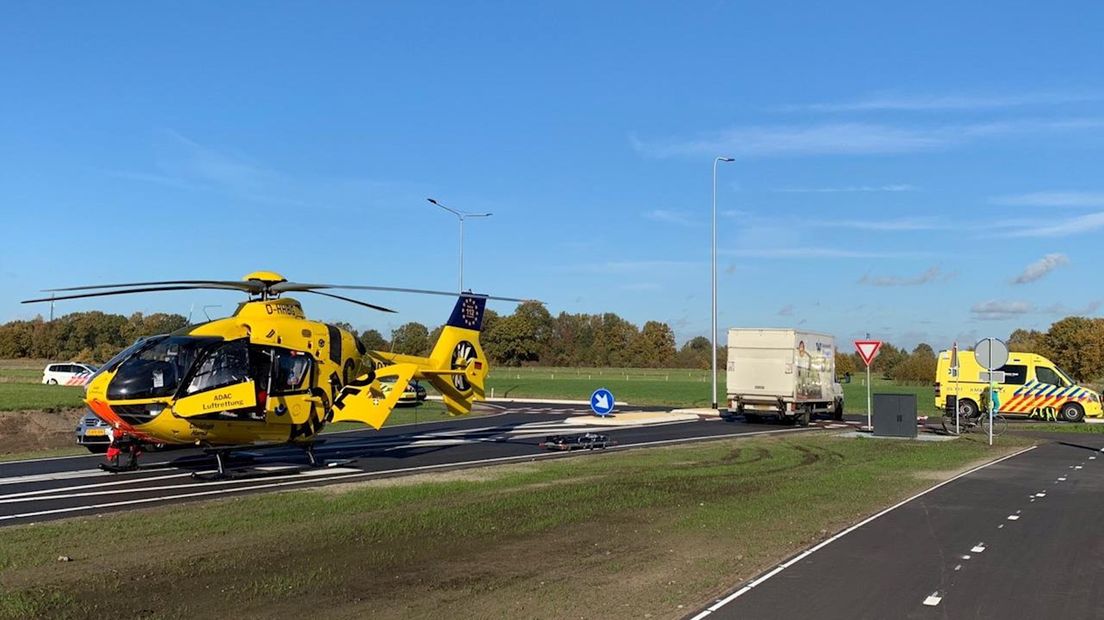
(378, 474)
(804, 554)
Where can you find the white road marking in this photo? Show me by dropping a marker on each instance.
(1078, 467)
(1062, 479)
(1092, 458)
(801, 556)
(328, 474)
(1013, 517)
(92, 486)
(1040, 493)
(1000, 527)
(933, 599)
(978, 548)
(958, 567)
(965, 557)
(241, 481)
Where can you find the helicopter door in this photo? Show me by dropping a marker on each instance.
(221, 385)
(290, 399)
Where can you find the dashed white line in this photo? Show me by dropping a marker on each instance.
(933, 599)
(978, 548)
(801, 556)
(1013, 517)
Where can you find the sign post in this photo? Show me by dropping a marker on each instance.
(868, 350)
(991, 354)
(954, 373)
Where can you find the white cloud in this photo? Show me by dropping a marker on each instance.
(1060, 309)
(848, 138)
(183, 163)
(665, 216)
(1061, 228)
(815, 252)
(902, 187)
(921, 103)
(639, 266)
(1000, 310)
(895, 224)
(1051, 199)
(1041, 267)
(931, 275)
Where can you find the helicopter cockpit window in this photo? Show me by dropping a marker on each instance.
(156, 367)
(227, 364)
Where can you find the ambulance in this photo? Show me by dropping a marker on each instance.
(1033, 387)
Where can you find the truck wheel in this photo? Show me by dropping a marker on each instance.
(803, 418)
(837, 413)
(752, 418)
(1071, 412)
(96, 448)
(967, 408)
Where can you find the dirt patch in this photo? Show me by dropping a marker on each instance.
(947, 474)
(27, 431)
(481, 474)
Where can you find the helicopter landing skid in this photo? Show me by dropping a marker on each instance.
(224, 472)
(118, 469)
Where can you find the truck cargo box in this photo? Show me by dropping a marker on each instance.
(782, 371)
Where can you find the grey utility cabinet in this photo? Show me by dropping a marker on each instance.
(895, 415)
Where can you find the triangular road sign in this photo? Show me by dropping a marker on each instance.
(868, 349)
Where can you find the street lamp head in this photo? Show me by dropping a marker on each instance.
(433, 201)
(726, 159)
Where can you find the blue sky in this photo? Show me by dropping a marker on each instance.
(926, 172)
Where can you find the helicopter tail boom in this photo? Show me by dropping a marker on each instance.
(457, 368)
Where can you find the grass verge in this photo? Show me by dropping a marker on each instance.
(39, 397)
(1058, 427)
(638, 532)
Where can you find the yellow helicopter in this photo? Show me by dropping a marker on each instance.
(267, 374)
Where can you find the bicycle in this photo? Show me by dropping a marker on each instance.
(969, 421)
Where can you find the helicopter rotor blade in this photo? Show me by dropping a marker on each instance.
(243, 285)
(298, 286)
(349, 299)
(150, 289)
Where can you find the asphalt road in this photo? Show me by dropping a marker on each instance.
(41, 490)
(1016, 539)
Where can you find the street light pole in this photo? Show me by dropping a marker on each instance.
(713, 330)
(461, 215)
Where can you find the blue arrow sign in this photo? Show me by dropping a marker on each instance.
(601, 401)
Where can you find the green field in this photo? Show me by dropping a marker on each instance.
(673, 387)
(20, 390)
(637, 533)
(38, 397)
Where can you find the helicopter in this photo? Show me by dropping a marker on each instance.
(267, 375)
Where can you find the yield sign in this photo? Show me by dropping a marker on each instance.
(868, 349)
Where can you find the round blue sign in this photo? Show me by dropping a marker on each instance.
(601, 402)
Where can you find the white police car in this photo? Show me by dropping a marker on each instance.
(68, 373)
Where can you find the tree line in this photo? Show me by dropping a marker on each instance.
(528, 336)
(531, 335)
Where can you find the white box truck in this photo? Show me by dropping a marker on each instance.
(788, 373)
